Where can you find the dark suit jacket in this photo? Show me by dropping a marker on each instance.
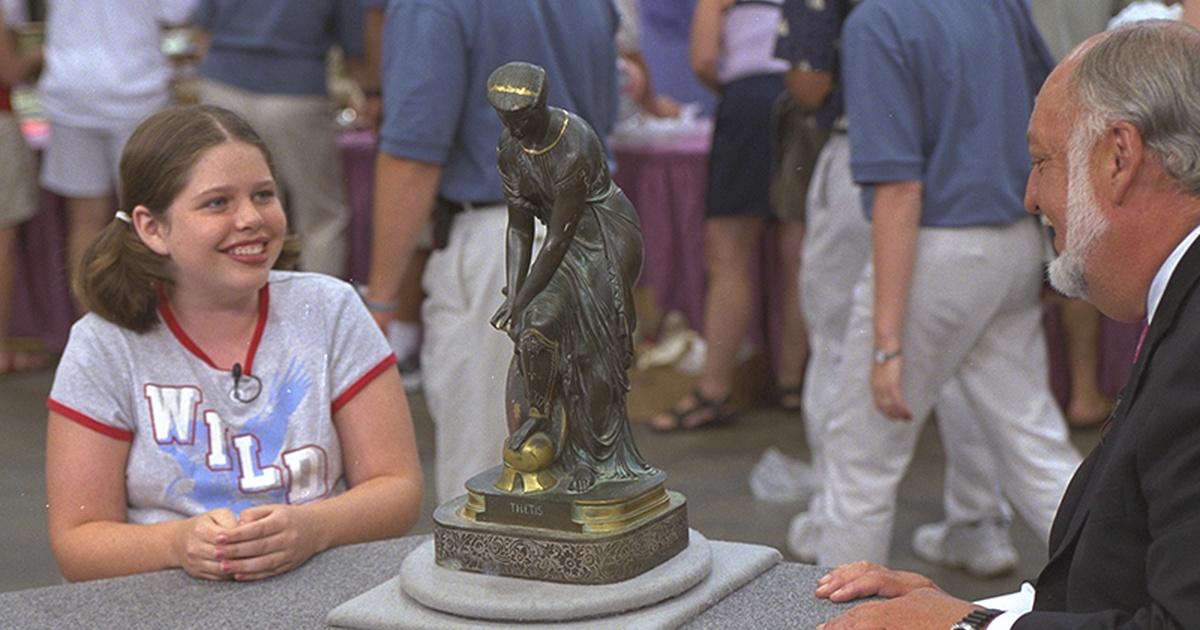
(1125, 545)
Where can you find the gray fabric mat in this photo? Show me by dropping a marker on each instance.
(386, 607)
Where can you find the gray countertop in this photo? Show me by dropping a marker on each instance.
(780, 598)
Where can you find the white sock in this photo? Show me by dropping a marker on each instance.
(404, 337)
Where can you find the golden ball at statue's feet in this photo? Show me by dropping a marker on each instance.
(537, 453)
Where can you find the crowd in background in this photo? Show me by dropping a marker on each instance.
(911, 274)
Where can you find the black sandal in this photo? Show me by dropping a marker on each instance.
(720, 415)
(784, 394)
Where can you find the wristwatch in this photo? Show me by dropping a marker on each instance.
(977, 619)
(882, 357)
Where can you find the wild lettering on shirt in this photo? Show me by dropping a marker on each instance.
(299, 473)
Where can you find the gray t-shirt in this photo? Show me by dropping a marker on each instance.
(194, 447)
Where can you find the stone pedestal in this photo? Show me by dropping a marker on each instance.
(610, 534)
(425, 596)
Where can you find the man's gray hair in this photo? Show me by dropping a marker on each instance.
(1148, 74)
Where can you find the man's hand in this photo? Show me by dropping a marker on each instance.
(867, 579)
(268, 540)
(885, 389)
(197, 541)
(919, 609)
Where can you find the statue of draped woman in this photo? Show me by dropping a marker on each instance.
(570, 311)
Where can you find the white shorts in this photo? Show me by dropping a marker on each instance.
(82, 162)
(18, 187)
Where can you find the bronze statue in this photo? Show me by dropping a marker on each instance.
(573, 500)
(570, 313)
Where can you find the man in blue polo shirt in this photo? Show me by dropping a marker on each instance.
(837, 247)
(938, 94)
(437, 144)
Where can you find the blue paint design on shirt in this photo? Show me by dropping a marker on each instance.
(214, 489)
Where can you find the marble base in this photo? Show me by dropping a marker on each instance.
(388, 607)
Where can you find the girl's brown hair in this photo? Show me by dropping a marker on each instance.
(119, 275)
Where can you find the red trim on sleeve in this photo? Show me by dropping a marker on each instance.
(363, 381)
(89, 422)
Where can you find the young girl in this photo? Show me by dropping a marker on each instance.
(209, 413)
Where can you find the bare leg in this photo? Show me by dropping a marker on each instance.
(1081, 326)
(793, 347)
(86, 216)
(730, 245)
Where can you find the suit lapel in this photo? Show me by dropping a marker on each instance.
(1073, 509)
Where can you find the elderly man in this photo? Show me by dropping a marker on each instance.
(1116, 173)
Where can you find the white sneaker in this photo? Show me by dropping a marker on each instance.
(982, 549)
(777, 478)
(803, 534)
(410, 373)
(405, 340)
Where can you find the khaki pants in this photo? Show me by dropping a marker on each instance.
(464, 361)
(299, 131)
(974, 321)
(837, 247)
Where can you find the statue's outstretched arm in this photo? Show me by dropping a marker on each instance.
(519, 248)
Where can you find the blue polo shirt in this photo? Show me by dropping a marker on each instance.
(810, 39)
(277, 46)
(437, 56)
(940, 91)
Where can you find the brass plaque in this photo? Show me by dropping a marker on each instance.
(510, 510)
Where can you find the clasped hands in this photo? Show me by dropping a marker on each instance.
(266, 540)
(912, 600)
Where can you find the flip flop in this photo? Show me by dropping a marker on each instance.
(720, 415)
(784, 394)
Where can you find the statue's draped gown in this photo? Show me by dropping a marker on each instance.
(590, 296)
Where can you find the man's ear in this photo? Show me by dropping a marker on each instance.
(150, 229)
(1125, 155)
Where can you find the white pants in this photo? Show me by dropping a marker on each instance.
(837, 247)
(299, 132)
(973, 320)
(464, 361)
(84, 162)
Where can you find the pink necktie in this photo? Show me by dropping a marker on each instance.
(1141, 340)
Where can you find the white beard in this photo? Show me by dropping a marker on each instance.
(1085, 224)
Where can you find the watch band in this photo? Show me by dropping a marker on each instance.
(882, 357)
(977, 619)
